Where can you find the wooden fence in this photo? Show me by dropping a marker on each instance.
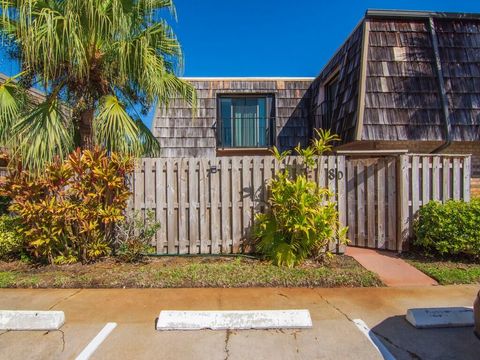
(207, 205)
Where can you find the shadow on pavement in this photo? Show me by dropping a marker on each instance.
(406, 342)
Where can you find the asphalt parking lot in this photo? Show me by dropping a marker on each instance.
(334, 334)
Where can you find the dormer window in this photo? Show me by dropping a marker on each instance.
(245, 121)
(330, 94)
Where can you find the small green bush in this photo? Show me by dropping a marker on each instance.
(11, 242)
(452, 228)
(134, 236)
(302, 217)
(302, 221)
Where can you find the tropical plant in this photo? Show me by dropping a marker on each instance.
(100, 64)
(68, 212)
(323, 140)
(302, 217)
(302, 220)
(320, 143)
(133, 236)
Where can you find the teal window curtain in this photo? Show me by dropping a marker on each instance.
(245, 121)
(226, 129)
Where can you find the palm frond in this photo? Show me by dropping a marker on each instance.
(168, 87)
(43, 134)
(146, 49)
(147, 8)
(117, 131)
(10, 107)
(8, 25)
(149, 59)
(114, 128)
(149, 143)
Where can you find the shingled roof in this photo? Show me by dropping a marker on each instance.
(405, 75)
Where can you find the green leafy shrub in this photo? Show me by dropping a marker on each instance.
(134, 236)
(11, 242)
(452, 228)
(68, 212)
(302, 217)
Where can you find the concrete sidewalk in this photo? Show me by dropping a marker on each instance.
(334, 335)
(392, 270)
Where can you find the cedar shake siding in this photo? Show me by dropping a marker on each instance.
(401, 100)
(345, 66)
(182, 135)
(417, 84)
(459, 48)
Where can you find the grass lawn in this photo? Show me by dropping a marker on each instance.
(171, 272)
(447, 272)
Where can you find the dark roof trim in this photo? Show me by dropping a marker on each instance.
(409, 14)
(362, 85)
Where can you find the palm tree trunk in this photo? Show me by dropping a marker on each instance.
(85, 129)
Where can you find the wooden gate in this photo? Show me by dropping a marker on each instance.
(371, 202)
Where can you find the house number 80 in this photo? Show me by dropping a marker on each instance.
(335, 174)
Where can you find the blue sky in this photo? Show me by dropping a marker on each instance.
(271, 37)
(277, 37)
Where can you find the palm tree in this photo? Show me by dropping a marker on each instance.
(100, 63)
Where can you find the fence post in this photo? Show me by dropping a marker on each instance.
(138, 185)
(402, 201)
(466, 178)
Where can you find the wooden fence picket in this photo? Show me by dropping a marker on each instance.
(392, 203)
(380, 208)
(236, 203)
(160, 214)
(225, 204)
(360, 205)
(193, 202)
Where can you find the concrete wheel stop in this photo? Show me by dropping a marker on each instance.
(234, 320)
(31, 320)
(429, 318)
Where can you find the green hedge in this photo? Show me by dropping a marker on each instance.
(452, 228)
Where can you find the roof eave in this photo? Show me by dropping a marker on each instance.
(247, 78)
(411, 14)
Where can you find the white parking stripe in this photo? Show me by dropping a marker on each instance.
(387, 355)
(97, 340)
